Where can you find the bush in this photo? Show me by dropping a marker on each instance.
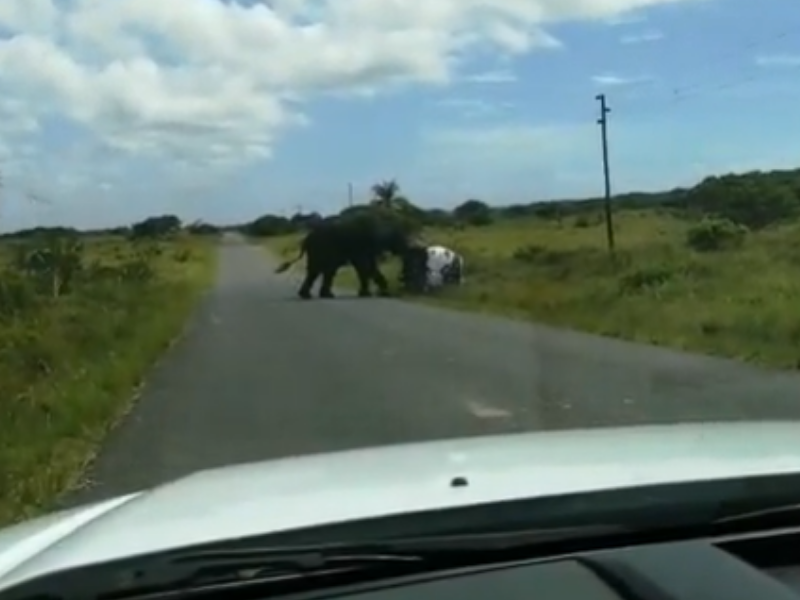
(712, 235)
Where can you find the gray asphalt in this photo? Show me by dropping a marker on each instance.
(259, 374)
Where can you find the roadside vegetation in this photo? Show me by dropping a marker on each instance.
(82, 318)
(714, 268)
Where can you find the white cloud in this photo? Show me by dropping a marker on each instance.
(206, 83)
(15, 119)
(779, 60)
(641, 38)
(611, 80)
(492, 77)
(626, 18)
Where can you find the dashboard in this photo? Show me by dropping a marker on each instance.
(750, 567)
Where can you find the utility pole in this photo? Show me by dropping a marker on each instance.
(350, 194)
(603, 122)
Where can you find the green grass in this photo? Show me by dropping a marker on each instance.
(70, 367)
(743, 303)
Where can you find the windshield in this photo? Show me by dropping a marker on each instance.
(235, 231)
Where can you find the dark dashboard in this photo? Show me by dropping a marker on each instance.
(751, 567)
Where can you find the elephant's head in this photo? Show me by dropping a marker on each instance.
(393, 232)
(414, 269)
(396, 240)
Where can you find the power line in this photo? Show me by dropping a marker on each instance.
(736, 54)
(677, 94)
(728, 54)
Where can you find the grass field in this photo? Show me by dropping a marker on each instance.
(742, 303)
(69, 365)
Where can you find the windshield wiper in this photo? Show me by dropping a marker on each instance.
(778, 514)
(202, 567)
(202, 570)
(244, 564)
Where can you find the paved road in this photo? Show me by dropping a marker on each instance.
(260, 374)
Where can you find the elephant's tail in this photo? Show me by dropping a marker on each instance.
(288, 264)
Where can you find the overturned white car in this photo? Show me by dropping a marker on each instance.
(428, 268)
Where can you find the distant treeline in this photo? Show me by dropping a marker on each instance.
(754, 200)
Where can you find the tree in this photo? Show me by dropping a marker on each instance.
(269, 225)
(156, 227)
(755, 200)
(387, 195)
(474, 212)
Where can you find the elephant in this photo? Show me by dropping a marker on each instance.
(359, 240)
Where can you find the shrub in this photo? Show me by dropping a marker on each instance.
(712, 235)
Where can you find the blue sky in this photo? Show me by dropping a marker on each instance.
(221, 112)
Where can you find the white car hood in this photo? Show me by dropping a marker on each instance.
(281, 495)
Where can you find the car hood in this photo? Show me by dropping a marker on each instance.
(286, 494)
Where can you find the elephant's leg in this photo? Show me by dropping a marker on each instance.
(313, 271)
(363, 272)
(455, 273)
(305, 288)
(378, 277)
(328, 277)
